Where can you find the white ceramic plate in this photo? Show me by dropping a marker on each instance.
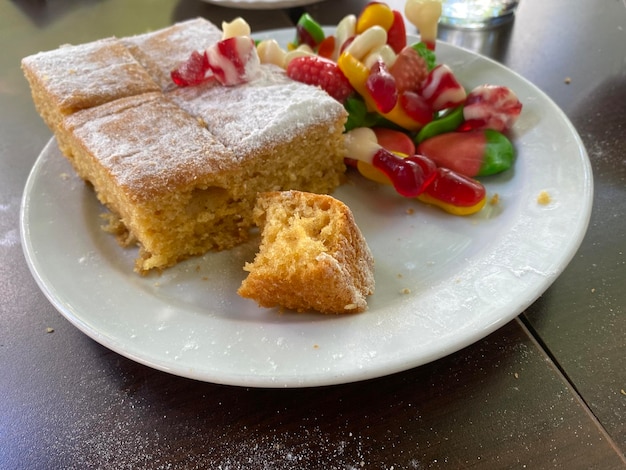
(443, 282)
(261, 4)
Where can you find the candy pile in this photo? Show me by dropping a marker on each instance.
(411, 123)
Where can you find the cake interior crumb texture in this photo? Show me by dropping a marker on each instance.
(312, 255)
(180, 169)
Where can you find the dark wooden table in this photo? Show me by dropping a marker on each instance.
(547, 390)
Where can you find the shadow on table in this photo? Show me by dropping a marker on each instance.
(45, 12)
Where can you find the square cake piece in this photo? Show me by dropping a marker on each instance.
(289, 130)
(163, 174)
(75, 77)
(180, 170)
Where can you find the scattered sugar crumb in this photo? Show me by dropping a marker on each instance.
(406, 290)
(65, 176)
(567, 80)
(495, 199)
(544, 198)
(49, 330)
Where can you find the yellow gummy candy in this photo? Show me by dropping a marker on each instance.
(375, 14)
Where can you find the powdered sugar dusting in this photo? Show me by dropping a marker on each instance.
(90, 74)
(149, 144)
(270, 109)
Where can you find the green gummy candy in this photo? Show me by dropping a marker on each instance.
(499, 153)
(447, 123)
(312, 27)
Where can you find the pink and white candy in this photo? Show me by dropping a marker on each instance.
(234, 60)
(231, 61)
(491, 107)
(441, 89)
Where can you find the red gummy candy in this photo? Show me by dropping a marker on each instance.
(192, 71)
(382, 87)
(416, 107)
(409, 176)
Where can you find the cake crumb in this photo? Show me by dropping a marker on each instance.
(49, 330)
(567, 80)
(316, 346)
(544, 198)
(622, 391)
(495, 199)
(516, 375)
(406, 290)
(410, 211)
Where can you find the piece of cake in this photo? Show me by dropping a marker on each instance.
(286, 133)
(312, 255)
(162, 174)
(75, 77)
(180, 169)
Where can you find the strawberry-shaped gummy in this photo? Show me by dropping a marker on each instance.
(191, 72)
(491, 107)
(234, 60)
(382, 87)
(315, 70)
(442, 90)
(409, 69)
(473, 153)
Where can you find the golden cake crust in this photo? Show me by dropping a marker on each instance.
(312, 255)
